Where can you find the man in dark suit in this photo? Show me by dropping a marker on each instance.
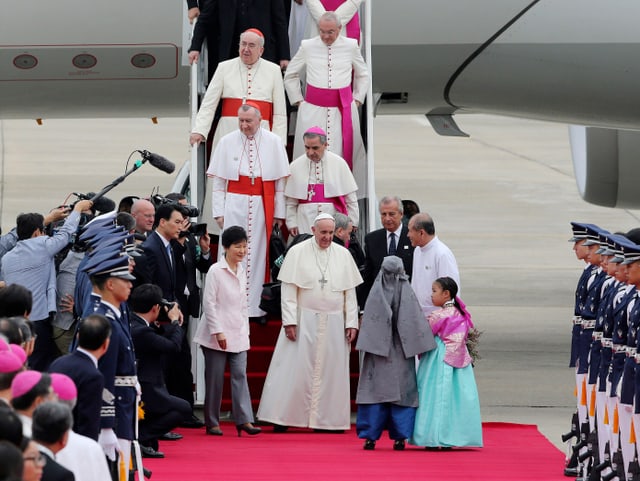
(390, 240)
(82, 366)
(222, 22)
(191, 255)
(153, 342)
(51, 424)
(157, 264)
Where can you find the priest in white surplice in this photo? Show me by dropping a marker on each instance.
(320, 181)
(247, 77)
(308, 380)
(249, 167)
(330, 62)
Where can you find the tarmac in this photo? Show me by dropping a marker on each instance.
(502, 200)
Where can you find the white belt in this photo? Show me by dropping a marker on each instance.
(637, 358)
(617, 348)
(606, 342)
(588, 323)
(631, 351)
(576, 320)
(126, 381)
(597, 336)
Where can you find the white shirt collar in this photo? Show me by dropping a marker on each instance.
(89, 355)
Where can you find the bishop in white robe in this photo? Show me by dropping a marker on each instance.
(235, 81)
(329, 62)
(320, 181)
(307, 384)
(248, 169)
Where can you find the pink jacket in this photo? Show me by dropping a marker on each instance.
(224, 309)
(452, 329)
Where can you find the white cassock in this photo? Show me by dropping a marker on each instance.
(233, 82)
(430, 262)
(333, 173)
(239, 166)
(308, 380)
(330, 68)
(85, 458)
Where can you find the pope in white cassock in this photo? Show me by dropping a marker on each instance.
(320, 181)
(247, 77)
(330, 62)
(249, 167)
(308, 380)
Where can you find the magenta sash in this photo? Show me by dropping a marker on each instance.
(339, 203)
(353, 27)
(340, 98)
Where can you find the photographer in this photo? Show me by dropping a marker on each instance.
(31, 264)
(152, 342)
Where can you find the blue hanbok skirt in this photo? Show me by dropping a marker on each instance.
(449, 411)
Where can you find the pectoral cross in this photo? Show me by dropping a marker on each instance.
(311, 193)
(322, 282)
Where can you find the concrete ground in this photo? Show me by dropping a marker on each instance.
(502, 200)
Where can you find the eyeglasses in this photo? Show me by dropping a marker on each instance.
(39, 460)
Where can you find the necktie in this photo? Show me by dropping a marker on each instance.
(392, 244)
(169, 253)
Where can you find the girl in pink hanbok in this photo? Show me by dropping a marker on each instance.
(449, 409)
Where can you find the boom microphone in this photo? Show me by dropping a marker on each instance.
(158, 161)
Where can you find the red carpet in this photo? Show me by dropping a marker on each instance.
(511, 452)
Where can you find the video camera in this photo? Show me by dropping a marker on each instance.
(187, 210)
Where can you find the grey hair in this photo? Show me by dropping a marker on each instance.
(246, 107)
(331, 16)
(388, 199)
(341, 220)
(260, 38)
(311, 135)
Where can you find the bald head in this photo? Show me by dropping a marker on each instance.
(143, 212)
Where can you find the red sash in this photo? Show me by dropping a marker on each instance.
(340, 98)
(264, 188)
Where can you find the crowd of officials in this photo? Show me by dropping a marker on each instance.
(95, 301)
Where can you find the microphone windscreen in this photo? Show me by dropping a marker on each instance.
(160, 162)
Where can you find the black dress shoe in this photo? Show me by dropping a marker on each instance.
(194, 422)
(329, 431)
(369, 445)
(398, 445)
(148, 452)
(248, 428)
(171, 436)
(279, 428)
(214, 431)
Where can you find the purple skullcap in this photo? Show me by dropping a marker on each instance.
(24, 382)
(18, 352)
(63, 386)
(316, 130)
(9, 362)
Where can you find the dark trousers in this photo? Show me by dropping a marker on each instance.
(178, 377)
(157, 423)
(44, 350)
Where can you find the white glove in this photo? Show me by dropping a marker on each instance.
(108, 442)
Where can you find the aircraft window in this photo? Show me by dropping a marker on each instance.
(84, 60)
(25, 61)
(143, 60)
